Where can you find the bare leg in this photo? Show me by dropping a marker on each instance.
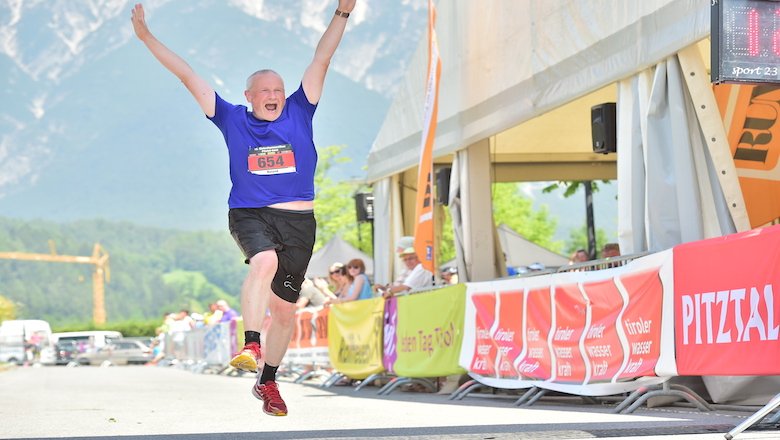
(280, 331)
(256, 290)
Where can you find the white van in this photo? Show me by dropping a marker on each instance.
(22, 339)
(90, 340)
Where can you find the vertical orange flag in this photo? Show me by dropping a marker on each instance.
(423, 228)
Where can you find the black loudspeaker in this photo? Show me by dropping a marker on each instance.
(364, 207)
(604, 127)
(443, 185)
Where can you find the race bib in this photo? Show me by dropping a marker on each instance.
(277, 159)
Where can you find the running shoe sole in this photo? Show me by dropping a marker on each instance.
(244, 362)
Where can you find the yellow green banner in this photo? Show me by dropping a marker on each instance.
(355, 337)
(429, 332)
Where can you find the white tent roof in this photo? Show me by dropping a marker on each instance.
(336, 251)
(505, 62)
(521, 252)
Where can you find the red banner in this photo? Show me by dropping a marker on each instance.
(641, 322)
(483, 360)
(509, 334)
(537, 362)
(602, 343)
(570, 321)
(727, 310)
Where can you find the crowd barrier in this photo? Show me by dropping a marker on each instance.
(699, 309)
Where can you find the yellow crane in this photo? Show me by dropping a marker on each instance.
(102, 271)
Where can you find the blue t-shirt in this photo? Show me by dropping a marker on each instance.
(366, 292)
(270, 161)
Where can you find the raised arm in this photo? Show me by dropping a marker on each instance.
(314, 76)
(200, 89)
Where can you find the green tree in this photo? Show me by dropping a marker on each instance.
(516, 211)
(335, 204)
(7, 309)
(510, 207)
(191, 291)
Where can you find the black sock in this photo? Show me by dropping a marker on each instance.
(250, 336)
(269, 373)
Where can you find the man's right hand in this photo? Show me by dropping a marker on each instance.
(139, 22)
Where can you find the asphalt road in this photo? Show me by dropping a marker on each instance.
(148, 403)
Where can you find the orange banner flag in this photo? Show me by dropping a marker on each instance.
(423, 228)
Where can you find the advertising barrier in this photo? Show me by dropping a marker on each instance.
(727, 305)
(355, 337)
(309, 342)
(429, 332)
(588, 333)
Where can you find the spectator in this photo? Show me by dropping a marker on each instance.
(339, 282)
(182, 322)
(449, 275)
(312, 296)
(579, 256)
(228, 314)
(610, 250)
(359, 284)
(418, 277)
(214, 315)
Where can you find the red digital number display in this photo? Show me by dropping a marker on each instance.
(745, 36)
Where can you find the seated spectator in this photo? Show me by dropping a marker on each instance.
(339, 282)
(312, 296)
(610, 250)
(359, 284)
(228, 314)
(449, 276)
(418, 277)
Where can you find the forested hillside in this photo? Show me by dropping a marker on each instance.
(152, 270)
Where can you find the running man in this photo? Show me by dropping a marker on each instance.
(272, 162)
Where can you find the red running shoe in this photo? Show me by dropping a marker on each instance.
(273, 405)
(246, 359)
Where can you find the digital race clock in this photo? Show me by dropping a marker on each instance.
(745, 41)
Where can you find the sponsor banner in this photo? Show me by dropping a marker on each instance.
(430, 333)
(355, 337)
(602, 341)
(423, 226)
(640, 322)
(571, 320)
(217, 343)
(509, 333)
(750, 115)
(390, 335)
(309, 342)
(588, 333)
(485, 348)
(727, 304)
(537, 361)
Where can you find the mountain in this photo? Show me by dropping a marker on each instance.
(91, 126)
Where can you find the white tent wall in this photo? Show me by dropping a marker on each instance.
(505, 62)
(675, 184)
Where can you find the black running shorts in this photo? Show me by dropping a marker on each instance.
(291, 233)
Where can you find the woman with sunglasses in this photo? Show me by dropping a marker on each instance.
(360, 285)
(339, 282)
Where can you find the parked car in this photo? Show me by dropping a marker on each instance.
(65, 352)
(118, 352)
